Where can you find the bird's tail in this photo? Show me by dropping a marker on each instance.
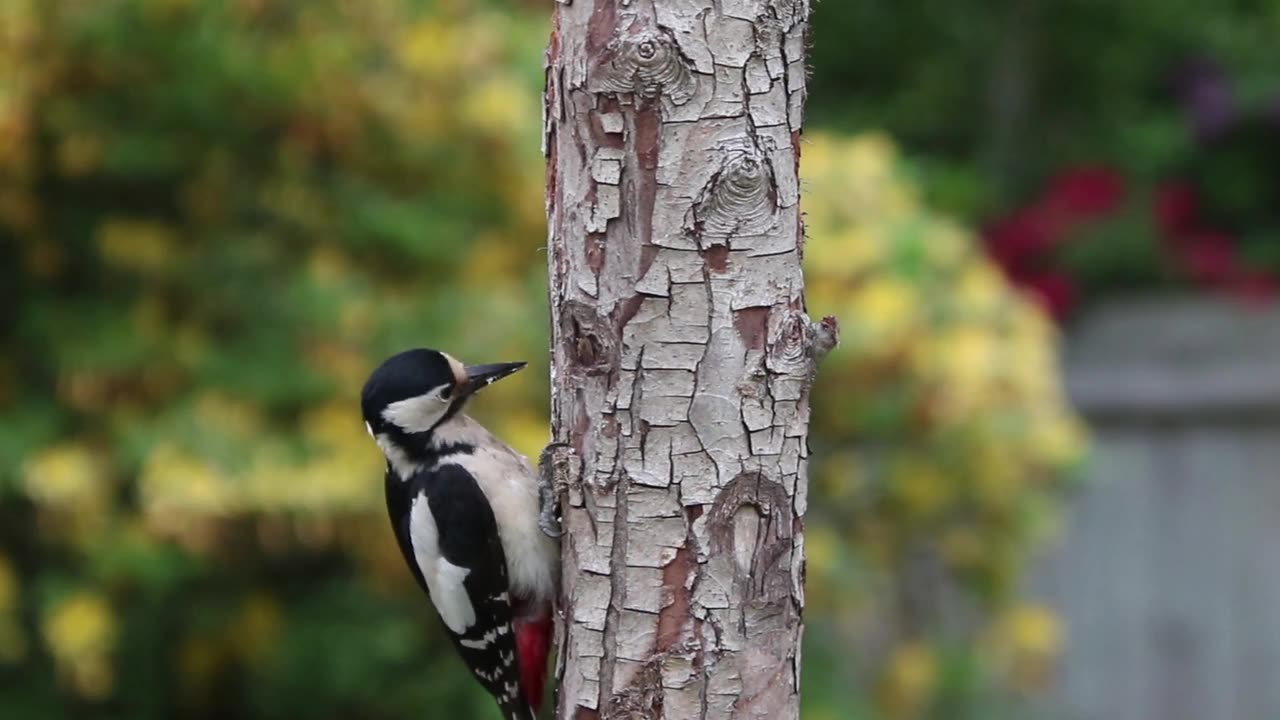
(518, 710)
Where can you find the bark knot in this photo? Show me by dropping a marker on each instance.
(741, 198)
(751, 527)
(644, 62)
(588, 339)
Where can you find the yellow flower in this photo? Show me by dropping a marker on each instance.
(947, 244)
(492, 255)
(962, 360)
(80, 632)
(174, 481)
(527, 432)
(80, 625)
(895, 201)
(881, 311)
(357, 320)
(271, 480)
(846, 252)
(139, 245)
(1028, 639)
(997, 475)
(909, 681)
(1057, 442)
(496, 105)
(980, 290)
(338, 480)
(332, 425)
(870, 155)
(347, 367)
(921, 486)
(430, 47)
(67, 475)
(328, 266)
(1027, 319)
(228, 415)
(822, 547)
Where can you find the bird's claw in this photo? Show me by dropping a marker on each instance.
(553, 481)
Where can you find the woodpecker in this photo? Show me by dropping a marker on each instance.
(469, 514)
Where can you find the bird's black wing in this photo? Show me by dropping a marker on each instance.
(449, 537)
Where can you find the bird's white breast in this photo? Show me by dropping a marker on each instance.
(511, 485)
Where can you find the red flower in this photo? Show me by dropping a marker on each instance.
(1210, 257)
(1175, 209)
(1086, 192)
(1023, 237)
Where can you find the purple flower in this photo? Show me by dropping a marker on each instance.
(1207, 100)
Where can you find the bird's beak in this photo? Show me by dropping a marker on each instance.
(481, 376)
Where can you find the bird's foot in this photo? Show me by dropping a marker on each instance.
(554, 467)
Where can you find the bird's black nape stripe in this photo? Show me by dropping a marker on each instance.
(435, 452)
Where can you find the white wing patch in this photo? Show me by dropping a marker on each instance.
(444, 579)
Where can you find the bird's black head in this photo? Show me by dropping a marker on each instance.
(414, 391)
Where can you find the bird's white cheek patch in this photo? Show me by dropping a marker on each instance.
(444, 579)
(416, 414)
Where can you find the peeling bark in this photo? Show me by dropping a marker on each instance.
(682, 354)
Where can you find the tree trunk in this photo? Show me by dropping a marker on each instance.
(682, 354)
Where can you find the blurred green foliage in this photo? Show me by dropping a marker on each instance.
(995, 96)
(215, 217)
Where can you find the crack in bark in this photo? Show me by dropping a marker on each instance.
(617, 574)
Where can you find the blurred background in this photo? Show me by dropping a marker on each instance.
(1046, 452)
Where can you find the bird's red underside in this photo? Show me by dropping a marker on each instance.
(533, 644)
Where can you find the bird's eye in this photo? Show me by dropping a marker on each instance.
(446, 392)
